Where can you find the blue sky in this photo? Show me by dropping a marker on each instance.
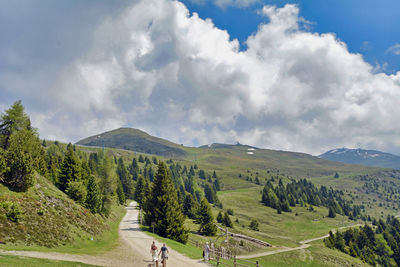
(304, 76)
(369, 27)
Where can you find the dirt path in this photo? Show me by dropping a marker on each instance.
(304, 245)
(134, 249)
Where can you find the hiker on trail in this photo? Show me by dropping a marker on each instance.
(153, 252)
(206, 251)
(164, 255)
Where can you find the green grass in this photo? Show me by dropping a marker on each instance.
(13, 261)
(316, 255)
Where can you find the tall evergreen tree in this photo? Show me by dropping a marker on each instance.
(210, 194)
(126, 180)
(20, 163)
(139, 195)
(134, 169)
(120, 193)
(164, 209)
(14, 119)
(70, 169)
(189, 206)
(93, 197)
(227, 220)
(206, 219)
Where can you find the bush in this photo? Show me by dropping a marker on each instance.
(230, 211)
(12, 210)
(254, 225)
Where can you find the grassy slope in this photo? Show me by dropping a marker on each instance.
(51, 221)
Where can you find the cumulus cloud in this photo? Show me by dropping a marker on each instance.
(155, 67)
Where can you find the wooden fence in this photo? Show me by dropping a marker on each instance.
(217, 255)
(235, 262)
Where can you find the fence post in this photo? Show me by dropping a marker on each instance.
(217, 260)
(234, 261)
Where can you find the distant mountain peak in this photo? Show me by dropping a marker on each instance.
(363, 157)
(134, 140)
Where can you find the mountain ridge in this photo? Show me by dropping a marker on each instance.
(361, 156)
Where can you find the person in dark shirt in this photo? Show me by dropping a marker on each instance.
(164, 255)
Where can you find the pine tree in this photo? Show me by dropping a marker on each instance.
(139, 195)
(126, 181)
(76, 190)
(134, 169)
(13, 120)
(141, 159)
(206, 219)
(210, 194)
(189, 206)
(20, 164)
(331, 213)
(164, 209)
(70, 169)
(227, 220)
(120, 193)
(220, 217)
(93, 197)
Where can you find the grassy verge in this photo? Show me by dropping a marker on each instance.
(12, 261)
(188, 250)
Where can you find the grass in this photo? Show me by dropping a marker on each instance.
(12, 261)
(316, 255)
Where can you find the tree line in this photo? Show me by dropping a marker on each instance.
(377, 245)
(302, 192)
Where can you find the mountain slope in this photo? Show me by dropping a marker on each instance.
(363, 157)
(134, 140)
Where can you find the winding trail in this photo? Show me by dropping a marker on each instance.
(133, 250)
(304, 244)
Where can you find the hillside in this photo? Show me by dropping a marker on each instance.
(134, 140)
(44, 216)
(363, 157)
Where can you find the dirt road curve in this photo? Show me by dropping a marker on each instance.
(133, 251)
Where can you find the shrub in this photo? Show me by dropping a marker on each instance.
(230, 211)
(254, 225)
(12, 210)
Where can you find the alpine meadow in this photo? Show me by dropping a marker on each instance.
(175, 133)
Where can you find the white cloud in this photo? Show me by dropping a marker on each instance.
(157, 68)
(394, 49)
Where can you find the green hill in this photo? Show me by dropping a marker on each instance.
(134, 140)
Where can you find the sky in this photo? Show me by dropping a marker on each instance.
(305, 76)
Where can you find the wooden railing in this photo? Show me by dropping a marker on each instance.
(235, 262)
